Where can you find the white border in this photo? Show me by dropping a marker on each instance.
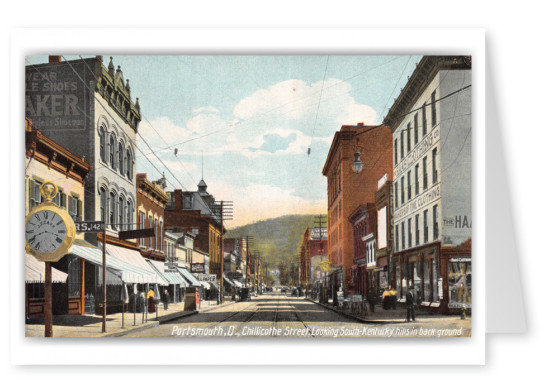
(245, 352)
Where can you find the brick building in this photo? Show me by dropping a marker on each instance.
(364, 273)
(199, 213)
(151, 202)
(347, 189)
(313, 251)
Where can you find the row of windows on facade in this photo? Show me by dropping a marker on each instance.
(71, 203)
(400, 241)
(407, 132)
(117, 212)
(403, 187)
(155, 243)
(116, 157)
(335, 184)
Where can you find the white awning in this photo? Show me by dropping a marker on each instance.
(188, 276)
(237, 284)
(172, 277)
(134, 259)
(35, 271)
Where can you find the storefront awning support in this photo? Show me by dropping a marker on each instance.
(104, 320)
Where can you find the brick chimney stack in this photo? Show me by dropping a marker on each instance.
(53, 59)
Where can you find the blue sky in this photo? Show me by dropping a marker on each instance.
(252, 119)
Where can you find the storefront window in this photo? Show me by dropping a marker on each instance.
(435, 297)
(35, 291)
(459, 283)
(398, 280)
(426, 280)
(74, 278)
(415, 278)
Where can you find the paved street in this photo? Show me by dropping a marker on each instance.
(284, 316)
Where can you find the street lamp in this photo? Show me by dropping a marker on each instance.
(357, 166)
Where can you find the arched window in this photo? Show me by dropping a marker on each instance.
(103, 204)
(121, 213)
(112, 151)
(129, 214)
(156, 234)
(121, 159)
(102, 144)
(128, 164)
(112, 197)
(125, 171)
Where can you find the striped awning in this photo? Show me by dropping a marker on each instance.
(172, 277)
(133, 258)
(237, 284)
(229, 281)
(35, 271)
(188, 276)
(159, 273)
(205, 284)
(129, 273)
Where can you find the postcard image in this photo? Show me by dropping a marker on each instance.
(248, 196)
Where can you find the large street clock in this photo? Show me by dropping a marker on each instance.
(49, 230)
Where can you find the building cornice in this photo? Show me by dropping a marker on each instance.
(46, 151)
(420, 79)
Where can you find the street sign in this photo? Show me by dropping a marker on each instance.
(137, 233)
(234, 275)
(89, 226)
(206, 277)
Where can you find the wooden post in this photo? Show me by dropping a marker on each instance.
(48, 330)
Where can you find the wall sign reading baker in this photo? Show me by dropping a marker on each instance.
(49, 230)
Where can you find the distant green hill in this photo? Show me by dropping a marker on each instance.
(277, 239)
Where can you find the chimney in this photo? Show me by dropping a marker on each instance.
(360, 124)
(52, 59)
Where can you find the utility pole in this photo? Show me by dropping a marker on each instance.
(226, 213)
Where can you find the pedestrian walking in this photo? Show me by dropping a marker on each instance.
(165, 299)
(151, 301)
(410, 304)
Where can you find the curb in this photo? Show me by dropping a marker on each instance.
(178, 315)
(356, 318)
(120, 333)
(150, 324)
(216, 307)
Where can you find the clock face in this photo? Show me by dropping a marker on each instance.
(45, 231)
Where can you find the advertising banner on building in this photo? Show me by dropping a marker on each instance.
(55, 96)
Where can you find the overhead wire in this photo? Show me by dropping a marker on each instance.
(89, 118)
(258, 118)
(138, 133)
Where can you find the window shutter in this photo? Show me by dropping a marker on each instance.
(70, 204)
(79, 210)
(31, 193)
(63, 201)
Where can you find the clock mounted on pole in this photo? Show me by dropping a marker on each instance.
(49, 234)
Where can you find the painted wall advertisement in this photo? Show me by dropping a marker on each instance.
(55, 97)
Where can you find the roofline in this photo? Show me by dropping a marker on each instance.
(419, 80)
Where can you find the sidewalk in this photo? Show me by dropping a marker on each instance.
(381, 316)
(89, 325)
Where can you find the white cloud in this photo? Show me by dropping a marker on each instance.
(208, 109)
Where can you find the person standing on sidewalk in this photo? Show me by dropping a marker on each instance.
(151, 301)
(410, 304)
(165, 299)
